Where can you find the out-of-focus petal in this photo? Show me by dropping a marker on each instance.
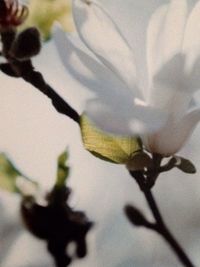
(85, 69)
(34, 253)
(191, 42)
(165, 34)
(10, 223)
(125, 120)
(173, 136)
(154, 31)
(103, 38)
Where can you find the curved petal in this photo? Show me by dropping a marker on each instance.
(165, 33)
(191, 42)
(173, 136)
(125, 120)
(103, 38)
(86, 71)
(106, 119)
(170, 90)
(154, 30)
(194, 75)
(173, 86)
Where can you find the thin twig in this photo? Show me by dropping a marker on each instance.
(159, 225)
(24, 69)
(161, 228)
(36, 79)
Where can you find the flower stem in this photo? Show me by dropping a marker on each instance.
(36, 79)
(24, 69)
(161, 228)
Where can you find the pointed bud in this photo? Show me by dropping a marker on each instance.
(27, 44)
(135, 216)
(185, 165)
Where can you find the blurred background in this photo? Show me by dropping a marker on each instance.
(33, 134)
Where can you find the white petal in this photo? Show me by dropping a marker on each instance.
(103, 38)
(170, 89)
(133, 17)
(166, 33)
(191, 43)
(194, 75)
(125, 120)
(154, 31)
(174, 85)
(173, 136)
(106, 119)
(86, 71)
(174, 28)
(175, 25)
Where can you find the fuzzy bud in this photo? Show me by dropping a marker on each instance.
(135, 216)
(27, 44)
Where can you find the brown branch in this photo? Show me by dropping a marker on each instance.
(159, 226)
(19, 65)
(36, 79)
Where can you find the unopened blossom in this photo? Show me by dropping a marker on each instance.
(12, 14)
(163, 113)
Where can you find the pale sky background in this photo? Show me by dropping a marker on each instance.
(33, 134)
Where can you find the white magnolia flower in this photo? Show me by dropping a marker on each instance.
(163, 112)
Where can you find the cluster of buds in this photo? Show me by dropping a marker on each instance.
(12, 14)
(17, 47)
(58, 224)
